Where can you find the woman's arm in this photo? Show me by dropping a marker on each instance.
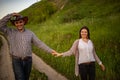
(98, 60)
(71, 51)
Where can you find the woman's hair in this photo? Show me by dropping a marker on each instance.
(84, 27)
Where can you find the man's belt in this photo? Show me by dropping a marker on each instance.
(22, 58)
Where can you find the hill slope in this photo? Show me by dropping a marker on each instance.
(58, 27)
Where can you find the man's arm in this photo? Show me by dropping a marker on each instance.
(4, 20)
(42, 45)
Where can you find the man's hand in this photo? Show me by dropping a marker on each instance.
(15, 14)
(54, 53)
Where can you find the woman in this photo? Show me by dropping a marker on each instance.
(85, 55)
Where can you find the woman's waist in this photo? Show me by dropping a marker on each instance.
(87, 62)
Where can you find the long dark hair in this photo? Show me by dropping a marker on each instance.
(84, 27)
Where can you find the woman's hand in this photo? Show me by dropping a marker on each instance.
(59, 54)
(102, 67)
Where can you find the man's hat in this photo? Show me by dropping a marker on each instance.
(18, 17)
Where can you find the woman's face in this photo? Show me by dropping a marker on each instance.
(84, 33)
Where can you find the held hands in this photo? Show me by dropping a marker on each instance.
(56, 54)
(59, 54)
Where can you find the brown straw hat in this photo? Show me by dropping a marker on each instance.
(16, 18)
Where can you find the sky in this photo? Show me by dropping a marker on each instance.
(10, 6)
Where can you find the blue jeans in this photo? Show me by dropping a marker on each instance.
(87, 71)
(22, 68)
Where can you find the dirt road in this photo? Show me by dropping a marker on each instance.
(41, 66)
(6, 72)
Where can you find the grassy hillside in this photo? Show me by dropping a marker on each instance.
(61, 28)
(40, 11)
(58, 27)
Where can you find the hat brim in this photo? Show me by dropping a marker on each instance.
(25, 19)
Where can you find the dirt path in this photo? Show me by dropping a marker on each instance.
(41, 66)
(6, 72)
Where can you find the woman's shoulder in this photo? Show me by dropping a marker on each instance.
(90, 40)
(76, 41)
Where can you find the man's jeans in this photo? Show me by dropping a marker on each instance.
(22, 68)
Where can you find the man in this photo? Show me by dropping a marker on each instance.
(20, 41)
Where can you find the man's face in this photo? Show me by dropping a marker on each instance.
(19, 24)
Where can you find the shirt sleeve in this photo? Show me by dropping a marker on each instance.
(3, 23)
(37, 42)
(72, 50)
(96, 57)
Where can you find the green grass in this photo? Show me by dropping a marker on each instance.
(42, 10)
(36, 75)
(61, 36)
(60, 31)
